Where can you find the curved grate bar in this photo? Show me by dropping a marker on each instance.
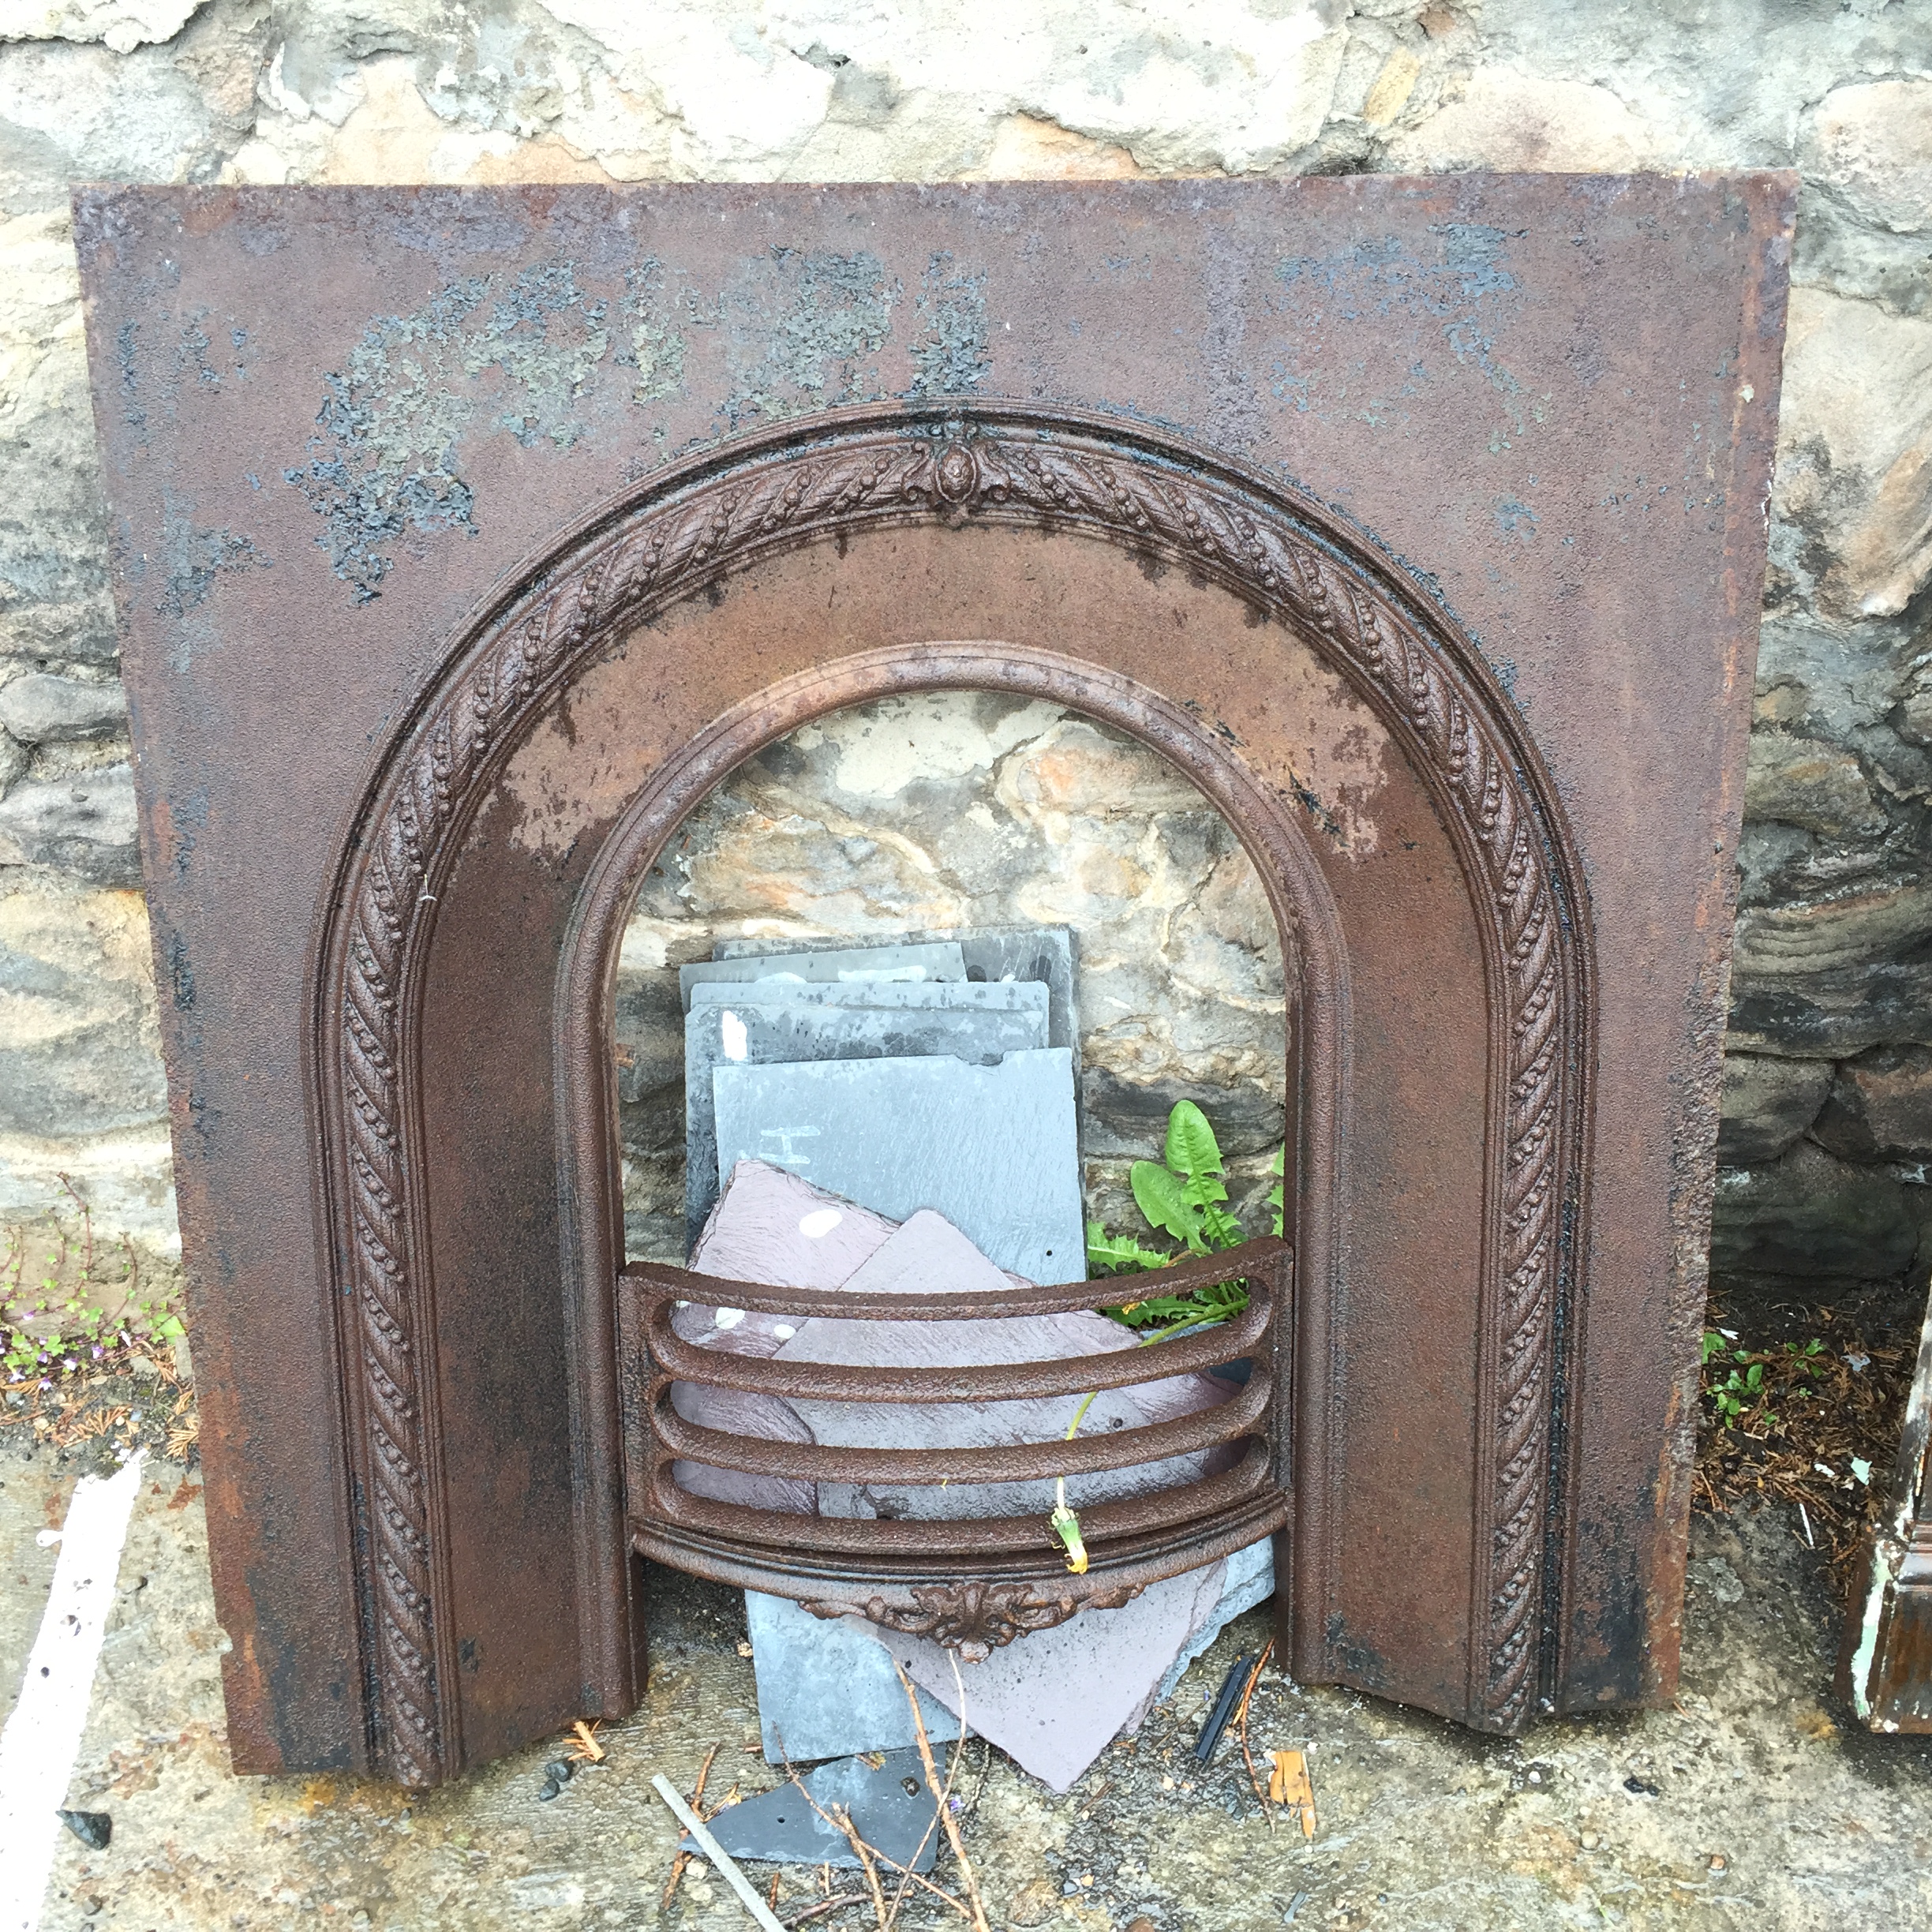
(1062, 1375)
(1264, 1256)
(776, 1533)
(1017, 1462)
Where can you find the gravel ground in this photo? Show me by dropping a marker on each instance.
(1752, 1803)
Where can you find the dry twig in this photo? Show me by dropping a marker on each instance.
(683, 1859)
(967, 1882)
(840, 1819)
(824, 1905)
(841, 1822)
(1241, 1730)
(942, 1794)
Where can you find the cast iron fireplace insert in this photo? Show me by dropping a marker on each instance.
(467, 539)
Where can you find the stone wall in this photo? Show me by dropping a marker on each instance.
(960, 809)
(1829, 1120)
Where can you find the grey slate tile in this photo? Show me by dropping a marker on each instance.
(960, 995)
(991, 1149)
(825, 1690)
(750, 1031)
(937, 959)
(780, 1827)
(1049, 954)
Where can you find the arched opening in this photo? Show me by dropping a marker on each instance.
(1274, 859)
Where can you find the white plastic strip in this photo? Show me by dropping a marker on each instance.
(717, 1853)
(42, 1736)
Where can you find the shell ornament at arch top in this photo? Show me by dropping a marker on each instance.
(955, 473)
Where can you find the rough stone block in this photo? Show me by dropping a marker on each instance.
(39, 709)
(1125, 1116)
(1832, 1014)
(1805, 781)
(825, 1690)
(1870, 141)
(1880, 1106)
(846, 966)
(1813, 1215)
(991, 1149)
(1767, 1103)
(742, 1032)
(85, 824)
(782, 1827)
(78, 1051)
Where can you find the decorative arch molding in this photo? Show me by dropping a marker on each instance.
(838, 476)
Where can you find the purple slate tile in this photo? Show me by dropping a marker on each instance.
(738, 1414)
(1055, 1699)
(773, 1228)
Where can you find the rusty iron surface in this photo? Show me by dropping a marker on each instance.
(465, 539)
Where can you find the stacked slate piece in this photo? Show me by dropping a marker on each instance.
(938, 1074)
(899, 1118)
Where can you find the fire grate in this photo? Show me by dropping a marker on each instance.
(973, 1582)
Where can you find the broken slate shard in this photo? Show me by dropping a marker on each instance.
(991, 1149)
(749, 1030)
(844, 965)
(993, 955)
(826, 1690)
(95, 1830)
(891, 1806)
